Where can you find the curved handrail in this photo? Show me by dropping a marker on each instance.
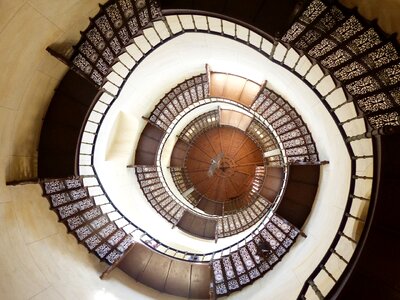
(352, 182)
(375, 183)
(211, 254)
(101, 119)
(313, 87)
(169, 131)
(380, 112)
(157, 243)
(177, 251)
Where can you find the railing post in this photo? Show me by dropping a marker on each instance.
(103, 90)
(333, 109)
(327, 272)
(361, 177)
(296, 63)
(358, 197)
(323, 98)
(314, 86)
(338, 255)
(313, 63)
(354, 217)
(284, 57)
(385, 130)
(355, 157)
(358, 117)
(315, 289)
(347, 237)
(274, 45)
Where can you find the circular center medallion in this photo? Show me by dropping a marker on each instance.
(226, 167)
(221, 163)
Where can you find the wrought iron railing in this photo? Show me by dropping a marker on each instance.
(360, 58)
(229, 224)
(110, 93)
(364, 62)
(113, 29)
(243, 265)
(281, 53)
(269, 109)
(102, 233)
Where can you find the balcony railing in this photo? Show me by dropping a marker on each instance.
(280, 53)
(364, 65)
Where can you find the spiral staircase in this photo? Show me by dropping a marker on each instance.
(331, 49)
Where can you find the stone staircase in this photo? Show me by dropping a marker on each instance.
(364, 61)
(108, 34)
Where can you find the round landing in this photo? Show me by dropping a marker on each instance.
(221, 163)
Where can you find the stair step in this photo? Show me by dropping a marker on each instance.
(190, 91)
(86, 221)
(112, 29)
(240, 268)
(197, 225)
